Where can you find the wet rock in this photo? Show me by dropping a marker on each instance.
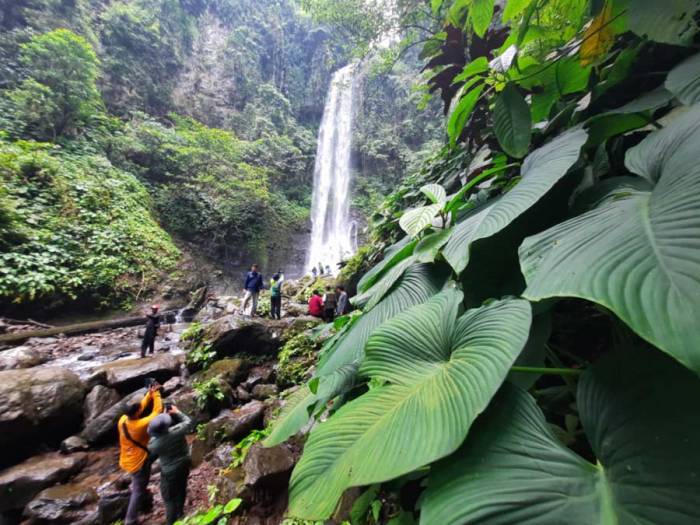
(104, 426)
(74, 444)
(112, 507)
(230, 371)
(21, 357)
(230, 484)
(88, 353)
(222, 456)
(230, 425)
(268, 467)
(19, 484)
(242, 394)
(186, 400)
(173, 384)
(128, 374)
(264, 391)
(62, 504)
(273, 407)
(259, 374)
(195, 304)
(98, 401)
(233, 334)
(37, 405)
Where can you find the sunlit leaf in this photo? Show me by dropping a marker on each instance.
(481, 14)
(684, 81)
(416, 220)
(599, 37)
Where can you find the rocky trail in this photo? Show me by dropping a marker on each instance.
(60, 398)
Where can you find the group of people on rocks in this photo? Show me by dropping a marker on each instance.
(148, 431)
(329, 305)
(320, 270)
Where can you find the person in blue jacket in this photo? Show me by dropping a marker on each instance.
(251, 288)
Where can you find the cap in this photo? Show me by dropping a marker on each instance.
(155, 307)
(159, 425)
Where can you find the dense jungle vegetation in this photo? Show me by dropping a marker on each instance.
(132, 130)
(525, 345)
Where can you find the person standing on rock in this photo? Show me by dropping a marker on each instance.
(133, 451)
(330, 302)
(342, 295)
(149, 336)
(251, 288)
(276, 295)
(168, 444)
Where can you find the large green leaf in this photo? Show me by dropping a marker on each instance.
(542, 169)
(667, 21)
(638, 252)
(416, 220)
(441, 373)
(639, 411)
(429, 246)
(435, 193)
(512, 122)
(393, 255)
(514, 8)
(684, 81)
(481, 13)
(371, 297)
(418, 284)
(463, 109)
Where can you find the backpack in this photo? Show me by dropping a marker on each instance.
(276, 289)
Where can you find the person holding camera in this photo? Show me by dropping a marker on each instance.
(133, 447)
(168, 444)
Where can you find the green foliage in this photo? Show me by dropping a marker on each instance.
(594, 230)
(208, 392)
(241, 449)
(218, 514)
(59, 92)
(78, 227)
(295, 359)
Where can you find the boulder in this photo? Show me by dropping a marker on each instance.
(259, 374)
(264, 391)
(173, 384)
(112, 507)
(104, 426)
(229, 425)
(128, 374)
(98, 401)
(234, 334)
(21, 357)
(74, 444)
(230, 484)
(268, 467)
(186, 400)
(62, 504)
(19, 484)
(37, 405)
(230, 371)
(242, 394)
(196, 302)
(222, 456)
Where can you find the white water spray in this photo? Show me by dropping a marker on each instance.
(332, 231)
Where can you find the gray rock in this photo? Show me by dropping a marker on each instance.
(231, 371)
(19, 484)
(233, 334)
(37, 405)
(230, 425)
(74, 444)
(186, 400)
(21, 357)
(222, 456)
(173, 384)
(127, 374)
(268, 467)
(99, 400)
(104, 426)
(242, 394)
(265, 391)
(112, 507)
(62, 504)
(259, 374)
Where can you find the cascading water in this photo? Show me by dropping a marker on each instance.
(332, 231)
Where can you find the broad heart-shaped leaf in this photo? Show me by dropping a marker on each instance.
(684, 81)
(638, 252)
(429, 246)
(371, 297)
(393, 255)
(435, 193)
(441, 374)
(542, 169)
(670, 21)
(639, 411)
(418, 284)
(416, 220)
(512, 122)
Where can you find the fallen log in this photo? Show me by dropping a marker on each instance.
(16, 338)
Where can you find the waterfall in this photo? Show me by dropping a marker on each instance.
(332, 231)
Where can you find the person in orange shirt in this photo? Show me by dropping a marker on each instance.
(133, 448)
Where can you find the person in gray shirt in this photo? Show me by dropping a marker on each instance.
(168, 444)
(342, 307)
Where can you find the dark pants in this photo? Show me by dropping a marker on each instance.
(329, 315)
(276, 307)
(148, 343)
(139, 493)
(173, 488)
